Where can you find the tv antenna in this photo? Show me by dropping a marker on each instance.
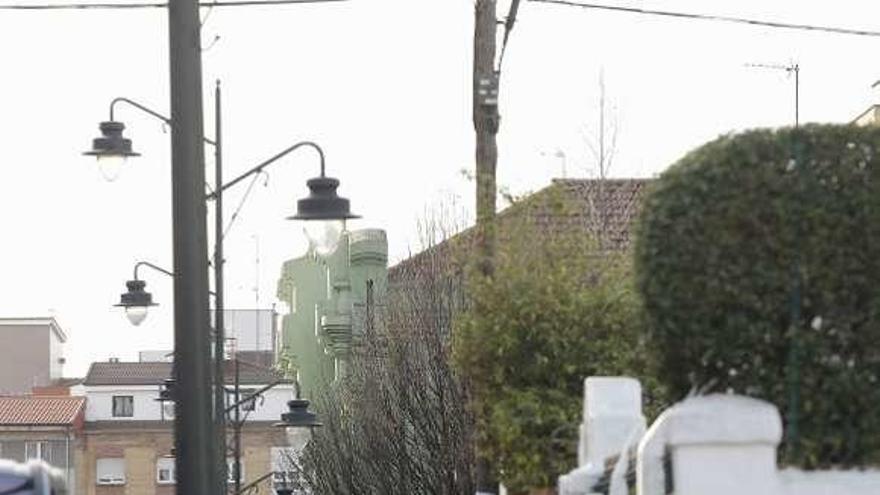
(791, 68)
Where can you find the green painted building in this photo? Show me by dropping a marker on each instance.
(326, 295)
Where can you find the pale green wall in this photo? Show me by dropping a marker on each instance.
(314, 286)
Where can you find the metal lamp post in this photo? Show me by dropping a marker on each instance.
(111, 147)
(195, 443)
(322, 205)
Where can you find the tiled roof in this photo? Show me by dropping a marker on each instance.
(607, 207)
(66, 382)
(29, 410)
(118, 373)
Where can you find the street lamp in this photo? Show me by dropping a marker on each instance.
(298, 423)
(322, 205)
(136, 300)
(111, 149)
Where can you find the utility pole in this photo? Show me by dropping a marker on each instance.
(486, 122)
(195, 437)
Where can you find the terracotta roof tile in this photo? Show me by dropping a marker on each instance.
(30, 410)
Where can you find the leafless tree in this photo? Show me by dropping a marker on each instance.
(398, 423)
(601, 143)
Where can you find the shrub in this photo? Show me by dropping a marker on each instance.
(553, 313)
(760, 241)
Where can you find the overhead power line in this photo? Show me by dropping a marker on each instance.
(709, 17)
(162, 5)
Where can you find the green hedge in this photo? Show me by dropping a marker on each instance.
(733, 239)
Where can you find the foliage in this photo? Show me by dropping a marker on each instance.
(552, 313)
(741, 236)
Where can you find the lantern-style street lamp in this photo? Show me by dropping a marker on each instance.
(298, 423)
(136, 300)
(111, 149)
(323, 206)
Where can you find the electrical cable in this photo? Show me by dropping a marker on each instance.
(710, 17)
(508, 27)
(120, 6)
(241, 204)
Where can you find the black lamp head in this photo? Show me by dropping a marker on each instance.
(111, 143)
(299, 416)
(136, 297)
(323, 203)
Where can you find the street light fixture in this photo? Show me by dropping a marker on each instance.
(298, 423)
(322, 205)
(324, 211)
(111, 149)
(136, 300)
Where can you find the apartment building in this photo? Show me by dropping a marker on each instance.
(48, 428)
(32, 353)
(128, 435)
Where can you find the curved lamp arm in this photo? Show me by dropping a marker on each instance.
(158, 269)
(150, 265)
(148, 111)
(259, 168)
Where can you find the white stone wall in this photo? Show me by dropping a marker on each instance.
(717, 444)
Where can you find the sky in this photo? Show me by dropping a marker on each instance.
(384, 87)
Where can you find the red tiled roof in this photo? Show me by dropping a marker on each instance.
(40, 410)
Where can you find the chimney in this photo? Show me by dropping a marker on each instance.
(113, 360)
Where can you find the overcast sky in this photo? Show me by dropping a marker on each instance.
(384, 87)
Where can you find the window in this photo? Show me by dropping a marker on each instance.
(37, 450)
(230, 470)
(110, 471)
(165, 473)
(244, 393)
(123, 406)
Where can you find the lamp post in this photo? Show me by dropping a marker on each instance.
(323, 206)
(194, 437)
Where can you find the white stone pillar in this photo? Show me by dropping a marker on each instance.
(719, 445)
(612, 417)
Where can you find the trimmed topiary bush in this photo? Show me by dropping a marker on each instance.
(741, 236)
